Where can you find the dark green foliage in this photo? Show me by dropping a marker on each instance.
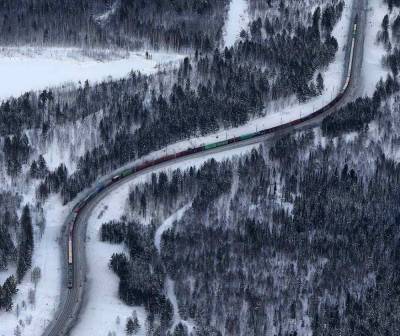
(180, 330)
(7, 291)
(16, 152)
(113, 232)
(162, 24)
(213, 180)
(353, 117)
(26, 244)
(8, 222)
(132, 326)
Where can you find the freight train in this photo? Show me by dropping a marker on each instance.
(130, 171)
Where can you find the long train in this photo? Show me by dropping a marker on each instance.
(130, 171)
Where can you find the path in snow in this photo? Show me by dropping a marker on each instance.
(168, 224)
(169, 283)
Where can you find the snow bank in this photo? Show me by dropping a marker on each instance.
(27, 69)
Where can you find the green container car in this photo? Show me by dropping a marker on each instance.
(216, 144)
(126, 172)
(210, 146)
(247, 136)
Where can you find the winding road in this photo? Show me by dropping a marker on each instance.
(72, 299)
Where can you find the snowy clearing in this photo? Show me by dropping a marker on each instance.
(237, 20)
(26, 69)
(373, 70)
(32, 318)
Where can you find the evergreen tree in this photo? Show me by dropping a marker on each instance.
(26, 244)
(130, 326)
(320, 83)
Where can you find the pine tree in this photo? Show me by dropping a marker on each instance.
(26, 244)
(320, 83)
(130, 327)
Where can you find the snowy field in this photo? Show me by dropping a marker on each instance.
(25, 69)
(104, 311)
(237, 20)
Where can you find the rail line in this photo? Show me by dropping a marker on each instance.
(130, 171)
(76, 223)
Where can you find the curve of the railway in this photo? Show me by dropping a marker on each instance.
(74, 231)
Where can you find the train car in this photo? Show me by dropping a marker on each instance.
(70, 275)
(126, 172)
(181, 154)
(247, 136)
(233, 140)
(100, 187)
(198, 149)
(144, 165)
(216, 145)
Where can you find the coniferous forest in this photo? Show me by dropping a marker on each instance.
(297, 236)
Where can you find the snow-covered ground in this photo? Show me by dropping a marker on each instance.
(238, 19)
(373, 69)
(51, 67)
(103, 307)
(104, 311)
(25, 69)
(32, 318)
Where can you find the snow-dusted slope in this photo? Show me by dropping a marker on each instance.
(25, 69)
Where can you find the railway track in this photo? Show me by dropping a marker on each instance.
(73, 243)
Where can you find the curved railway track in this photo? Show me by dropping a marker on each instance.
(73, 243)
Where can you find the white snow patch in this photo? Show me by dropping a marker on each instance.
(372, 69)
(23, 71)
(170, 288)
(238, 19)
(46, 256)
